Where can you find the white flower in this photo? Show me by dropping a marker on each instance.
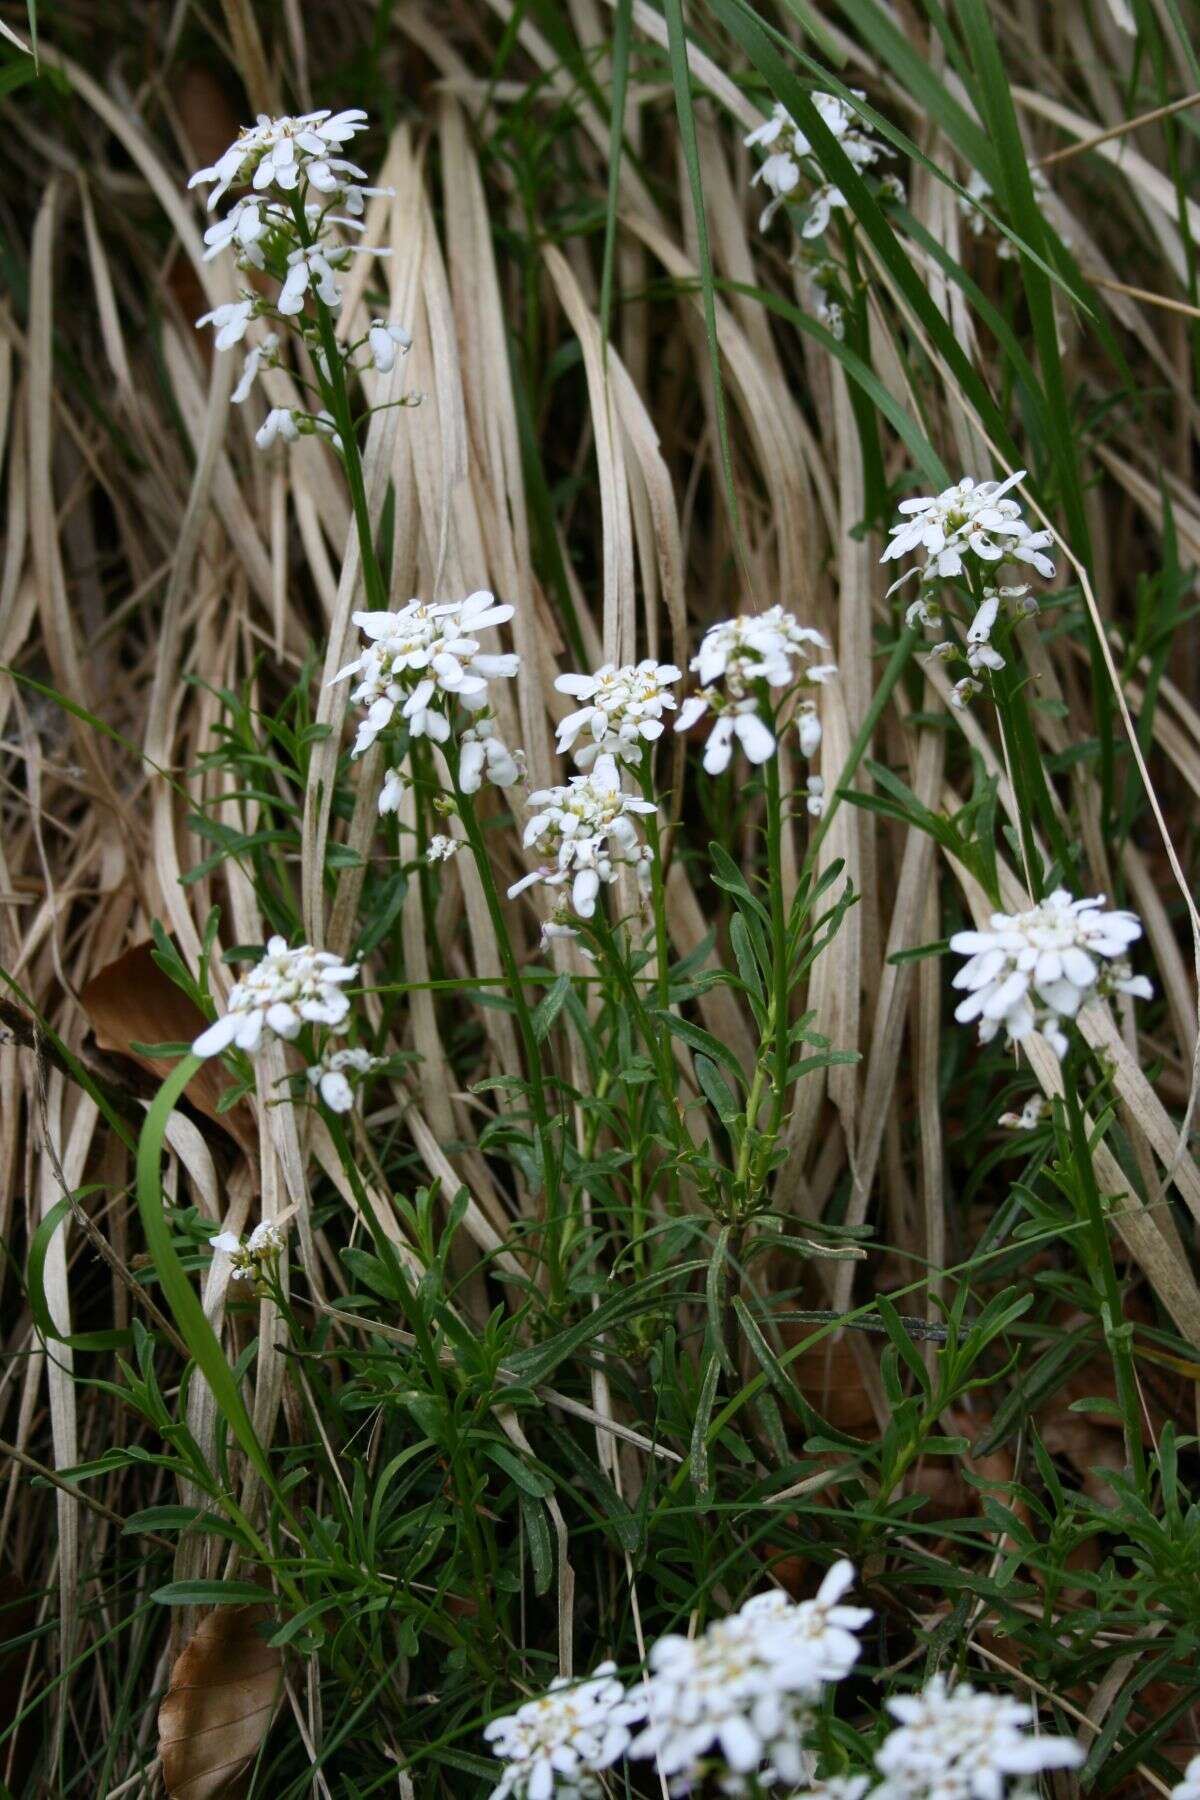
(383, 341)
(312, 266)
(832, 317)
(1189, 1787)
(583, 832)
(960, 1744)
(280, 422)
(331, 1076)
(1028, 1119)
(484, 755)
(264, 351)
(925, 611)
(1033, 971)
(241, 227)
(815, 803)
(808, 726)
(771, 647)
(441, 848)
(972, 517)
(741, 1693)
(557, 1743)
(249, 1259)
(278, 995)
(229, 322)
(392, 792)
(278, 151)
(791, 159)
(421, 658)
(964, 691)
(623, 710)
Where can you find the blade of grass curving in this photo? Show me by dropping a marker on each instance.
(993, 98)
(194, 1327)
(622, 33)
(682, 85)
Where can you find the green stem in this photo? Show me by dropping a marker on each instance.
(779, 946)
(662, 947)
(1118, 1334)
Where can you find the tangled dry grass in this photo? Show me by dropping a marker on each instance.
(172, 606)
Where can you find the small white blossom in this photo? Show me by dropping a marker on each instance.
(1033, 971)
(441, 848)
(964, 691)
(229, 322)
(833, 318)
(251, 1258)
(741, 1693)
(557, 1743)
(420, 660)
(392, 792)
(622, 711)
(1027, 1119)
(331, 1076)
(312, 266)
(383, 341)
(280, 422)
(584, 831)
(279, 995)
(771, 647)
(790, 162)
(815, 803)
(954, 1743)
(976, 518)
(263, 351)
(808, 726)
(484, 756)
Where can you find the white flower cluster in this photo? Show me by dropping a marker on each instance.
(974, 518)
(792, 170)
(421, 660)
(304, 197)
(584, 832)
(287, 989)
(622, 711)
(970, 528)
(251, 1259)
(771, 647)
(560, 1741)
(735, 1699)
(1033, 971)
(332, 1075)
(742, 1692)
(955, 1743)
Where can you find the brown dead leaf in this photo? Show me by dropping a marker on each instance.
(130, 1002)
(224, 1690)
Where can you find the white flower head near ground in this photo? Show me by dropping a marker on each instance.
(736, 660)
(956, 1743)
(740, 1693)
(1033, 971)
(558, 1743)
(279, 995)
(333, 1075)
